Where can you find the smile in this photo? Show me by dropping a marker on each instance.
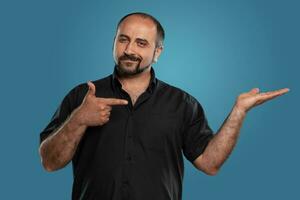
(131, 61)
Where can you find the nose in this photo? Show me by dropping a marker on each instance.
(130, 48)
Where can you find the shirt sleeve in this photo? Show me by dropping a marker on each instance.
(68, 104)
(197, 133)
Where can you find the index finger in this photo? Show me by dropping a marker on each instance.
(114, 101)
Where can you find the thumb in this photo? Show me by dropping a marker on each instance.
(92, 88)
(254, 91)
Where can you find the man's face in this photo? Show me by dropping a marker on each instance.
(135, 45)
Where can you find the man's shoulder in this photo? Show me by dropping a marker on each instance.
(101, 82)
(79, 90)
(97, 82)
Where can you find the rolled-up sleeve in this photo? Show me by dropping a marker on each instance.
(197, 133)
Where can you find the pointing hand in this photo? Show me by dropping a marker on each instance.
(95, 111)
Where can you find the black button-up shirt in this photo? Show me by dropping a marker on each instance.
(137, 155)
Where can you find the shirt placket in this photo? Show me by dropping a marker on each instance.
(129, 156)
(128, 149)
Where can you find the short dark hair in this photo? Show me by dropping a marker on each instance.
(160, 35)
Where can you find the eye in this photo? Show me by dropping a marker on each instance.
(122, 40)
(141, 44)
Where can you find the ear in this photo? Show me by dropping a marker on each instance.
(113, 44)
(157, 52)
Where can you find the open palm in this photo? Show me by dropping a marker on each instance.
(250, 99)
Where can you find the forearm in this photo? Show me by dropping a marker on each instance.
(222, 144)
(58, 149)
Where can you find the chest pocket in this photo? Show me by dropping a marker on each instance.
(158, 133)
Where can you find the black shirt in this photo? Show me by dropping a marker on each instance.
(137, 155)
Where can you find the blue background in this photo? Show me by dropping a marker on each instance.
(214, 50)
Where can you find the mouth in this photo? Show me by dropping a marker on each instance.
(129, 61)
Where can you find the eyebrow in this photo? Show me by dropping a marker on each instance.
(142, 40)
(123, 35)
(138, 39)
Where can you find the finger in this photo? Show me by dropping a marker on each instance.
(265, 96)
(107, 109)
(282, 91)
(92, 88)
(105, 119)
(264, 99)
(105, 114)
(254, 91)
(113, 101)
(103, 106)
(276, 92)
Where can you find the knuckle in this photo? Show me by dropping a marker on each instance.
(103, 114)
(102, 107)
(105, 120)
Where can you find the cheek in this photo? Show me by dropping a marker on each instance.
(146, 61)
(117, 52)
(147, 58)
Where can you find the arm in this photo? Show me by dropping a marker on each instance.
(222, 144)
(58, 149)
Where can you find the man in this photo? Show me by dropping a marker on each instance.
(125, 133)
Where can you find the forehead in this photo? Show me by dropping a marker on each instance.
(137, 26)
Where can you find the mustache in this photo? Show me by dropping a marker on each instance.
(130, 57)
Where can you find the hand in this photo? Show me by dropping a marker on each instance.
(250, 99)
(95, 111)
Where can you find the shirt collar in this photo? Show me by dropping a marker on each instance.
(153, 81)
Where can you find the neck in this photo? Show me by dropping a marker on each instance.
(136, 82)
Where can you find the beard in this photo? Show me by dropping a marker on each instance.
(130, 65)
